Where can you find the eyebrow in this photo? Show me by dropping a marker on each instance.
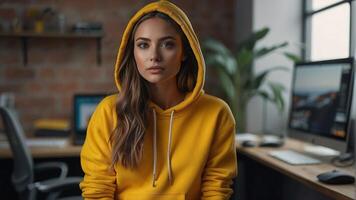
(161, 39)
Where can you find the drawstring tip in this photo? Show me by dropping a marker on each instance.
(170, 179)
(153, 183)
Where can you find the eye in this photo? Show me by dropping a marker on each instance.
(142, 45)
(168, 44)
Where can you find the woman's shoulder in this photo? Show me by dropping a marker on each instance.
(216, 105)
(109, 101)
(213, 101)
(107, 105)
(106, 109)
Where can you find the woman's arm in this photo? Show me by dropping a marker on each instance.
(221, 165)
(99, 181)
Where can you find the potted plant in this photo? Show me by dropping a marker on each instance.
(238, 80)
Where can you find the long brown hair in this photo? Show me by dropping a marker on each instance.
(132, 102)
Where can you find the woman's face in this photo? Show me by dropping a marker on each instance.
(158, 51)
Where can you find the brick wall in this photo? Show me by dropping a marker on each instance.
(58, 68)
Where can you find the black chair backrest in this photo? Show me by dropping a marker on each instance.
(22, 174)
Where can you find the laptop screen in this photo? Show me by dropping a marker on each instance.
(84, 106)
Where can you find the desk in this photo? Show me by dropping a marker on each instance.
(304, 174)
(69, 150)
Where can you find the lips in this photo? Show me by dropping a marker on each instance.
(155, 69)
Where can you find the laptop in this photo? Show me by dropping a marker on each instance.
(83, 107)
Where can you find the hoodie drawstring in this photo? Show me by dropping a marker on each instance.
(154, 178)
(154, 173)
(169, 149)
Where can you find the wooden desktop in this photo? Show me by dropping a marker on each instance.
(304, 174)
(68, 150)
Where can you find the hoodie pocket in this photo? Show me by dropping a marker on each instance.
(154, 197)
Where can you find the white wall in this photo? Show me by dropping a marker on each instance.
(353, 54)
(284, 18)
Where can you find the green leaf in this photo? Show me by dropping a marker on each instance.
(292, 57)
(216, 46)
(217, 54)
(260, 33)
(277, 90)
(259, 79)
(227, 84)
(244, 60)
(264, 95)
(229, 65)
(251, 41)
(266, 50)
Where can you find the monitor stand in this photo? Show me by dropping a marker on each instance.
(320, 150)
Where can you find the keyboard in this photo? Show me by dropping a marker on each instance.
(40, 142)
(47, 142)
(293, 157)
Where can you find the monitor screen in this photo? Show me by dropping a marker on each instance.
(321, 98)
(84, 106)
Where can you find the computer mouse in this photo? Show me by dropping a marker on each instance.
(248, 143)
(271, 143)
(336, 177)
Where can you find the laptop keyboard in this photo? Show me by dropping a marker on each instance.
(293, 158)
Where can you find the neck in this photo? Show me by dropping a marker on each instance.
(165, 95)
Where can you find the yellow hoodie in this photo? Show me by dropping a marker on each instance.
(189, 150)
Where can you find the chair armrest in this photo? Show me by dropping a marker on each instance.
(57, 185)
(53, 166)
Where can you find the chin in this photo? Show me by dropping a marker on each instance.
(156, 79)
(162, 78)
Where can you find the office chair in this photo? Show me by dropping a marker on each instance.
(24, 168)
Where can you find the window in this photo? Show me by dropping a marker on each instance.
(318, 4)
(327, 29)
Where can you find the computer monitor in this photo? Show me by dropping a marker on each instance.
(83, 107)
(321, 99)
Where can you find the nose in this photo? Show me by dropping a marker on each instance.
(155, 55)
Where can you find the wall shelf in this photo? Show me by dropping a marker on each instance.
(25, 35)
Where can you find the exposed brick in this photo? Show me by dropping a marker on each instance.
(94, 73)
(34, 103)
(69, 73)
(34, 87)
(66, 101)
(105, 87)
(109, 73)
(46, 73)
(63, 87)
(11, 87)
(19, 73)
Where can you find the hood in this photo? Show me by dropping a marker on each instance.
(181, 18)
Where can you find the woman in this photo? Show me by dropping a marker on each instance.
(161, 137)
